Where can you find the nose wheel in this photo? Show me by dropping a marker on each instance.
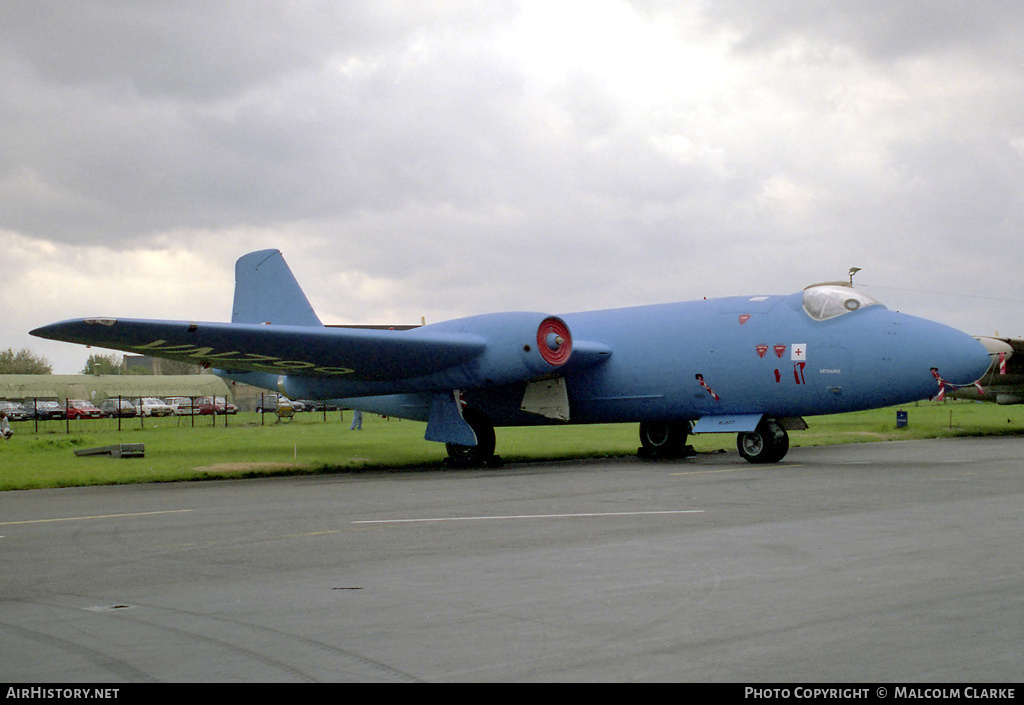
(769, 443)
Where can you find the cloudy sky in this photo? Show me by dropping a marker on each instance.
(440, 159)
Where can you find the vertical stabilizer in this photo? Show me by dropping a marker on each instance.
(266, 292)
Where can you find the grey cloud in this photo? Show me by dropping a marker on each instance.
(411, 147)
(882, 30)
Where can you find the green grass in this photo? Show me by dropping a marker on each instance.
(175, 450)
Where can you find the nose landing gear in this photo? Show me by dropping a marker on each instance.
(768, 443)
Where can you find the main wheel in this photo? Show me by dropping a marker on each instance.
(663, 439)
(769, 443)
(483, 452)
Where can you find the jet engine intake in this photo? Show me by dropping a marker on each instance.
(517, 346)
(554, 341)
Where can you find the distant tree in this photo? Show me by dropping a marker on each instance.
(104, 365)
(23, 362)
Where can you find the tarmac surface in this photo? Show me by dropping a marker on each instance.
(888, 562)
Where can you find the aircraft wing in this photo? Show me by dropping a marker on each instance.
(358, 354)
(478, 351)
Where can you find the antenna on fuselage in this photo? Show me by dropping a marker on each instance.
(853, 270)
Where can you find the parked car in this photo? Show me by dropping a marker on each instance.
(44, 409)
(219, 405)
(151, 406)
(82, 409)
(207, 406)
(14, 410)
(228, 406)
(182, 406)
(311, 405)
(275, 403)
(114, 407)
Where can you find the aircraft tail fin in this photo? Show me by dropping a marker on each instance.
(266, 292)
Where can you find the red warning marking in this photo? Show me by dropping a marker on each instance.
(744, 318)
(1002, 363)
(700, 378)
(942, 384)
(780, 350)
(798, 372)
(761, 350)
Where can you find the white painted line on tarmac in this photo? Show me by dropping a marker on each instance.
(528, 516)
(97, 516)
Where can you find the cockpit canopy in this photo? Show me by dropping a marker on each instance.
(825, 301)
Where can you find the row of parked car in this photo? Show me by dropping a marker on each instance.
(116, 406)
(275, 403)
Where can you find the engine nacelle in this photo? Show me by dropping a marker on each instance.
(506, 348)
(520, 346)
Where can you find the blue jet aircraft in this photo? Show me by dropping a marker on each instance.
(749, 365)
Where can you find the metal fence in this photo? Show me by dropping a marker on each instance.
(45, 413)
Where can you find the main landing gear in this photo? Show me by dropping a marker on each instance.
(480, 455)
(664, 439)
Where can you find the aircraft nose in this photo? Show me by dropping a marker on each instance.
(958, 358)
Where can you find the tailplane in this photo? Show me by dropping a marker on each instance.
(266, 292)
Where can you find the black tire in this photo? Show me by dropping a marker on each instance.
(769, 443)
(663, 439)
(483, 452)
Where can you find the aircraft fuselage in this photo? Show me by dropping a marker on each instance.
(738, 355)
